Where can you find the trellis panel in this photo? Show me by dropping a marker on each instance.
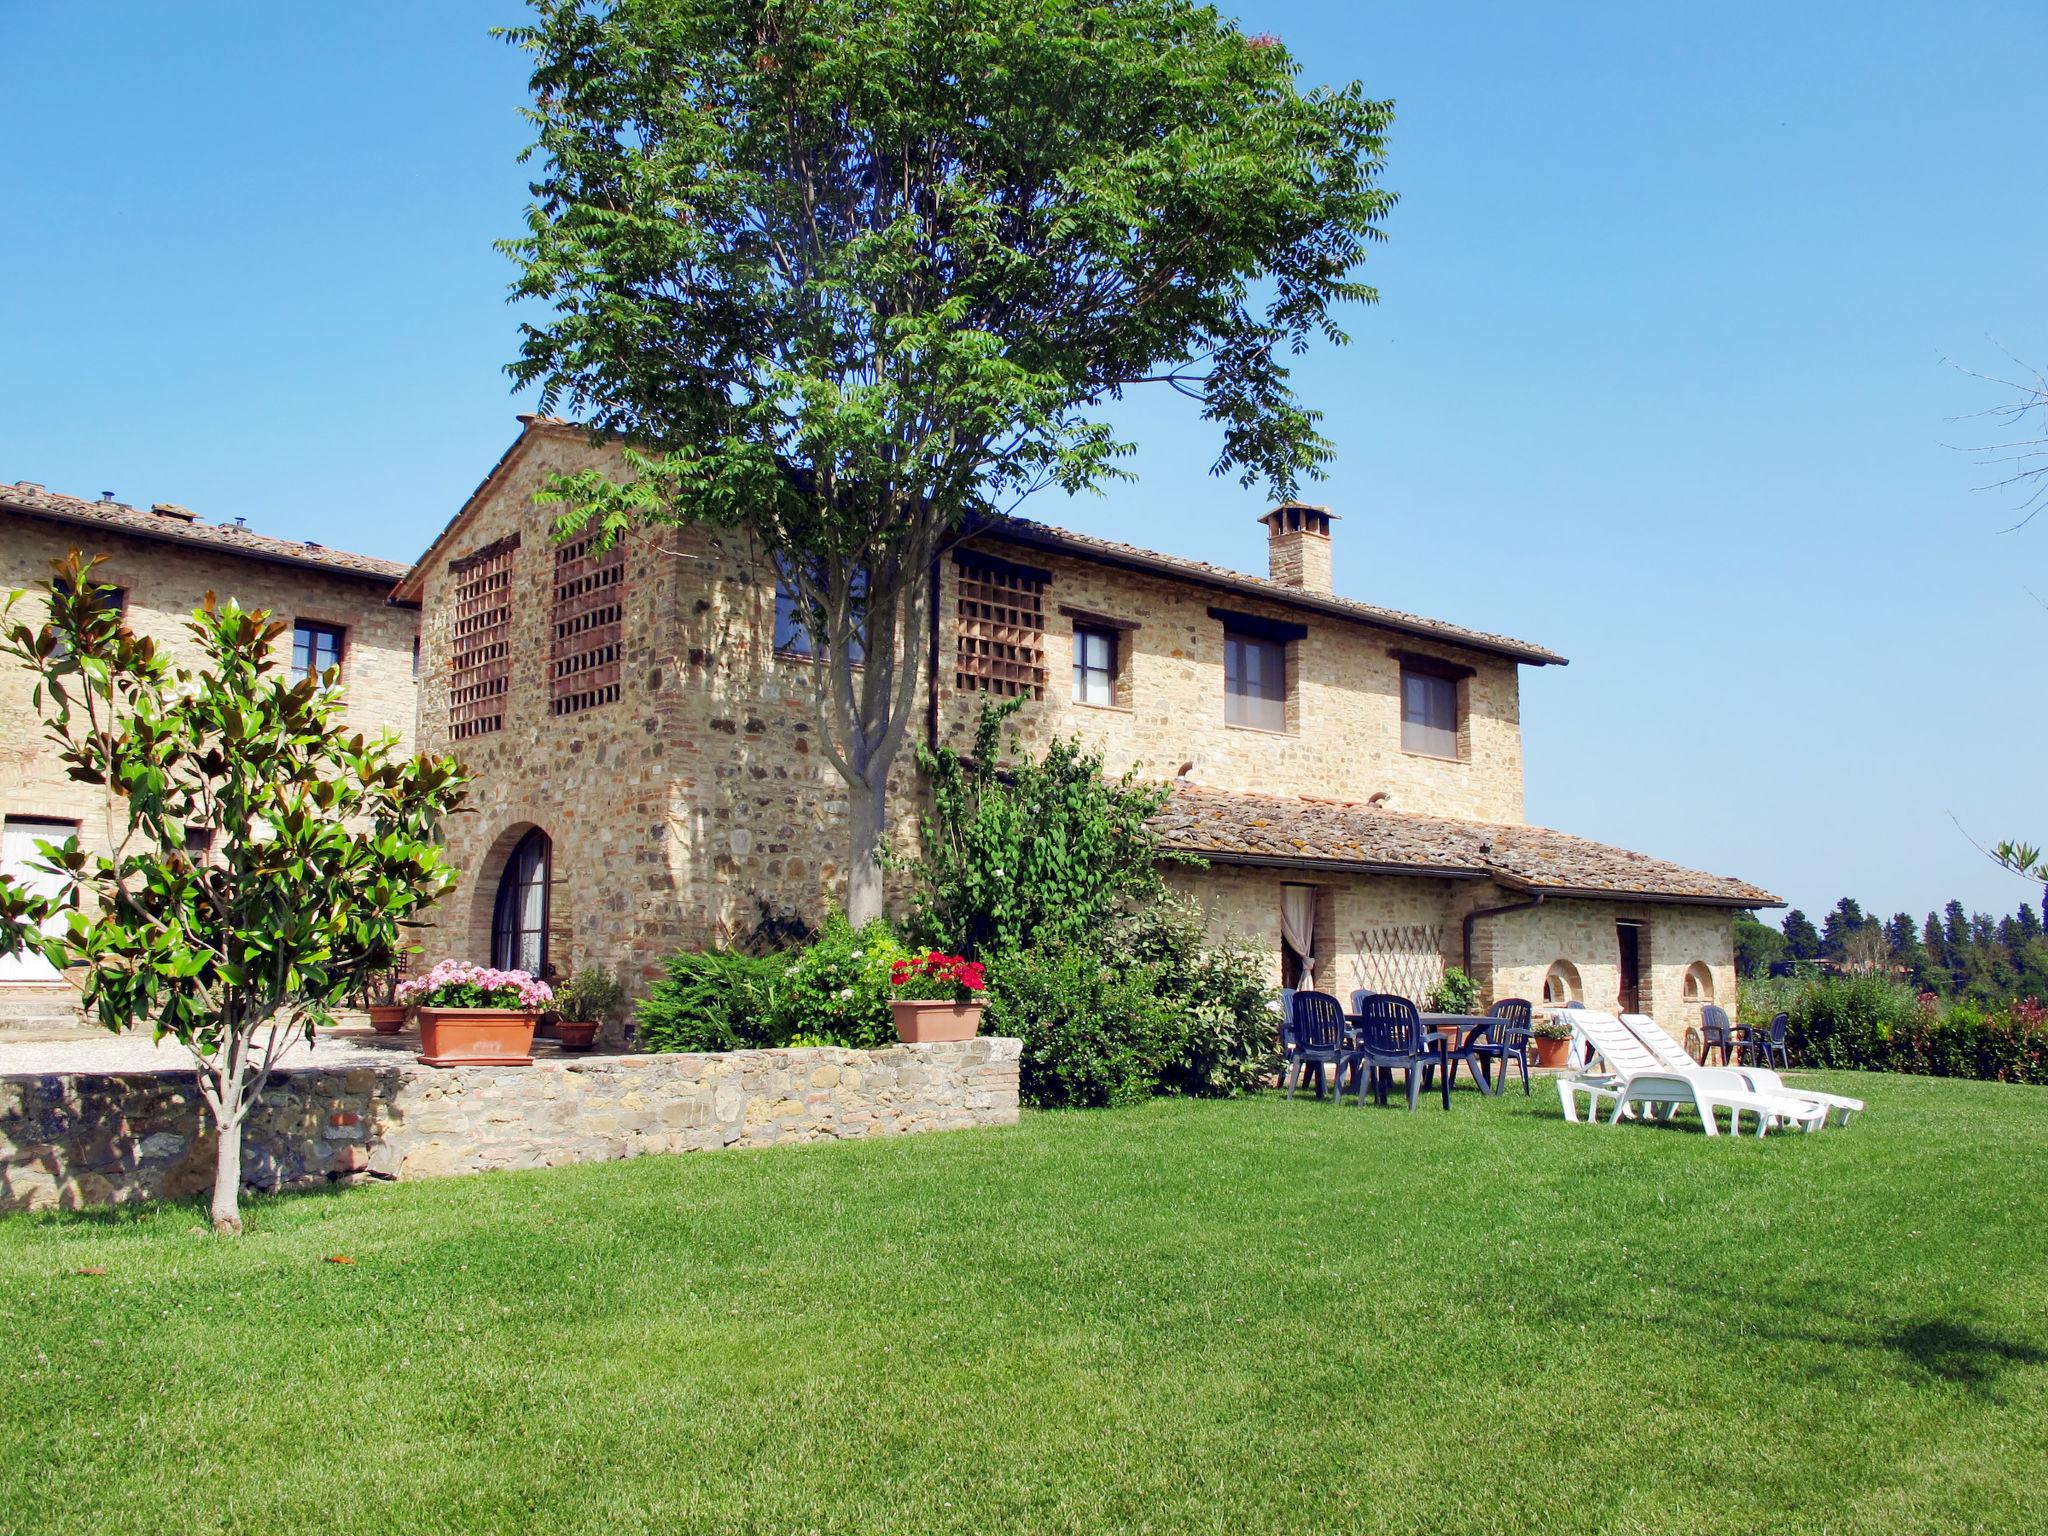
(480, 665)
(589, 626)
(1001, 644)
(1402, 959)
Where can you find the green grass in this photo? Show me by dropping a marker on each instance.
(1217, 1317)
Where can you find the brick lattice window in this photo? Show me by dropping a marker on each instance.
(1001, 648)
(589, 623)
(480, 664)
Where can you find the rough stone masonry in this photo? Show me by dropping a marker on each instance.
(71, 1141)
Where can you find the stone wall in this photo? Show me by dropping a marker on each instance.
(116, 1138)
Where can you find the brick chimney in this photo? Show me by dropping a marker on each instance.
(1298, 545)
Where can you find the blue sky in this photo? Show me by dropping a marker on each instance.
(1656, 380)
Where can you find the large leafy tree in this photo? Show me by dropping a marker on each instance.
(849, 274)
(263, 859)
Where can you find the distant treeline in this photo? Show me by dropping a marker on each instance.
(1959, 955)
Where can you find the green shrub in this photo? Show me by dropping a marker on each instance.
(711, 1000)
(1878, 1024)
(1226, 1035)
(1849, 1021)
(835, 991)
(1456, 993)
(593, 993)
(1040, 851)
(1093, 1034)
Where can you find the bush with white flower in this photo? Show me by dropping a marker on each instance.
(458, 984)
(835, 990)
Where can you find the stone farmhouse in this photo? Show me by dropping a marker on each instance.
(163, 560)
(647, 775)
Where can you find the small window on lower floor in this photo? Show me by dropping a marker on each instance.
(1095, 666)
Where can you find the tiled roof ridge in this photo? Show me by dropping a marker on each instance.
(177, 525)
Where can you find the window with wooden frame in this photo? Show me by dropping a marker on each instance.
(1001, 615)
(1255, 668)
(480, 666)
(1095, 666)
(1432, 709)
(316, 648)
(589, 625)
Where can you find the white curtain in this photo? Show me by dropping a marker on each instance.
(1298, 923)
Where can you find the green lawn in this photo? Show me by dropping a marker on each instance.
(1216, 1317)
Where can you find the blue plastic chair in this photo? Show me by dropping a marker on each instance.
(1391, 1038)
(1716, 1034)
(1503, 1038)
(1771, 1043)
(1319, 1041)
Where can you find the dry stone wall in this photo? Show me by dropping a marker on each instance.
(116, 1138)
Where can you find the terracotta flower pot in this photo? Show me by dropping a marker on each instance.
(918, 1021)
(1552, 1053)
(387, 1018)
(483, 1037)
(576, 1034)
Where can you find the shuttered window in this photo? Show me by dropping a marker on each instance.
(589, 625)
(480, 668)
(1001, 645)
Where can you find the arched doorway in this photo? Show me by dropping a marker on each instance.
(519, 915)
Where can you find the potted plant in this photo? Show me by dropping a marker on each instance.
(387, 1013)
(1553, 1036)
(590, 997)
(936, 997)
(474, 1015)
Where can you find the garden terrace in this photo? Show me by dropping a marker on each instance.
(1214, 1316)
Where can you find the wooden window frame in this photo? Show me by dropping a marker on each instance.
(1237, 699)
(1113, 673)
(338, 633)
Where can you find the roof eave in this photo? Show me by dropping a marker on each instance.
(1347, 866)
(1660, 898)
(172, 536)
(1037, 536)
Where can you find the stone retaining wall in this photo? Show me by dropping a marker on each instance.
(80, 1140)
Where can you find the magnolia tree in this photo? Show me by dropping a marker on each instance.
(263, 862)
(847, 277)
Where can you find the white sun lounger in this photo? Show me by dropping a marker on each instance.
(1762, 1080)
(1636, 1078)
(1839, 1106)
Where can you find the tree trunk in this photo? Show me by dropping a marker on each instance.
(227, 1177)
(866, 804)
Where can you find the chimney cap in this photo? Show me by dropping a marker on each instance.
(1299, 515)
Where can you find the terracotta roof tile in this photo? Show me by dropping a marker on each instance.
(175, 525)
(1291, 830)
